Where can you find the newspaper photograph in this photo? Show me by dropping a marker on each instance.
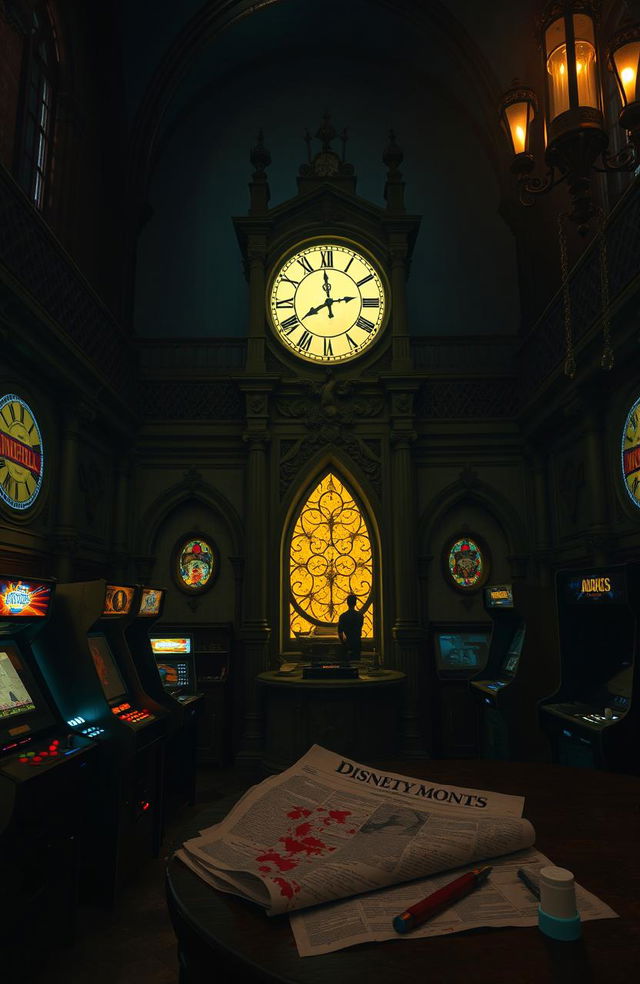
(503, 900)
(329, 828)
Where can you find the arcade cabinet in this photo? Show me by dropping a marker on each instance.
(91, 674)
(44, 778)
(592, 718)
(459, 651)
(169, 678)
(198, 659)
(522, 666)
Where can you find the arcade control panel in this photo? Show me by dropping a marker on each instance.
(587, 714)
(43, 754)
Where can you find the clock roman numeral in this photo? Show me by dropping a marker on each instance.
(364, 324)
(328, 350)
(371, 302)
(348, 264)
(294, 283)
(326, 258)
(365, 280)
(286, 303)
(289, 324)
(305, 340)
(352, 344)
(10, 486)
(304, 263)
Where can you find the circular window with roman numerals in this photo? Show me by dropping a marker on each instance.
(21, 453)
(327, 302)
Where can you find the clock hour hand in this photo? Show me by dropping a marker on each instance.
(314, 310)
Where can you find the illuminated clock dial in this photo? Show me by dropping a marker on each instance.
(21, 453)
(631, 453)
(327, 302)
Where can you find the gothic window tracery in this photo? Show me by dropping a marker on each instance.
(330, 557)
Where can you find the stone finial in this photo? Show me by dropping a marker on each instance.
(259, 186)
(326, 164)
(260, 156)
(393, 156)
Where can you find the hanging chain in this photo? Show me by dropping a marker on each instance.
(569, 361)
(607, 361)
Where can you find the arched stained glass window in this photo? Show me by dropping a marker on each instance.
(330, 557)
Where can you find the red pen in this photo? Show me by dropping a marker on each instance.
(416, 914)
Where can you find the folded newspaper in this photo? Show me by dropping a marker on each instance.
(329, 828)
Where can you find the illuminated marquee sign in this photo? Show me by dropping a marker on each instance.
(21, 453)
(23, 599)
(171, 645)
(631, 453)
(596, 586)
(499, 596)
(118, 600)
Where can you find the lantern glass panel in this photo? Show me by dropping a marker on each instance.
(518, 116)
(586, 71)
(627, 64)
(555, 44)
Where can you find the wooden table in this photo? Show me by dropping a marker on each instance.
(361, 717)
(585, 820)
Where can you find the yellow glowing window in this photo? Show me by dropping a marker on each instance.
(330, 558)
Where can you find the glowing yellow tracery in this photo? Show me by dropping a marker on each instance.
(330, 558)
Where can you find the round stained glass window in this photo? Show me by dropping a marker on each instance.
(196, 564)
(466, 563)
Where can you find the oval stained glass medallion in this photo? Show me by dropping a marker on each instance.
(466, 564)
(196, 564)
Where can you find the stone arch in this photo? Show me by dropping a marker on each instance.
(469, 490)
(216, 17)
(192, 488)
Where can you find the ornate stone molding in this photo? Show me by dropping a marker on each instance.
(363, 453)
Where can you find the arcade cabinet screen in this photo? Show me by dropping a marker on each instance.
(499, 596)
(112, 683)
(174, 673)
(14, 696)
(23, 599)
(461, 650)
(150, 601)
(511, 660)
(162, 646)
(117, 600)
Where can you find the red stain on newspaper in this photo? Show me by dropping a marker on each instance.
(299, 842)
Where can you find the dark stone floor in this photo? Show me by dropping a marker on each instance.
(134, 943)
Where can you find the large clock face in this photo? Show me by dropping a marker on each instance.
(327, 302)
(631, 453)
(21, 457)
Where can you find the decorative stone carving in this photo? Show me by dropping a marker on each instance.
(331, 401)
(363, 453)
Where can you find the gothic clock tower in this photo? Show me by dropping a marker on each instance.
(329, 386)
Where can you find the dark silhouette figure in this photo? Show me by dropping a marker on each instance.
(350, 629)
